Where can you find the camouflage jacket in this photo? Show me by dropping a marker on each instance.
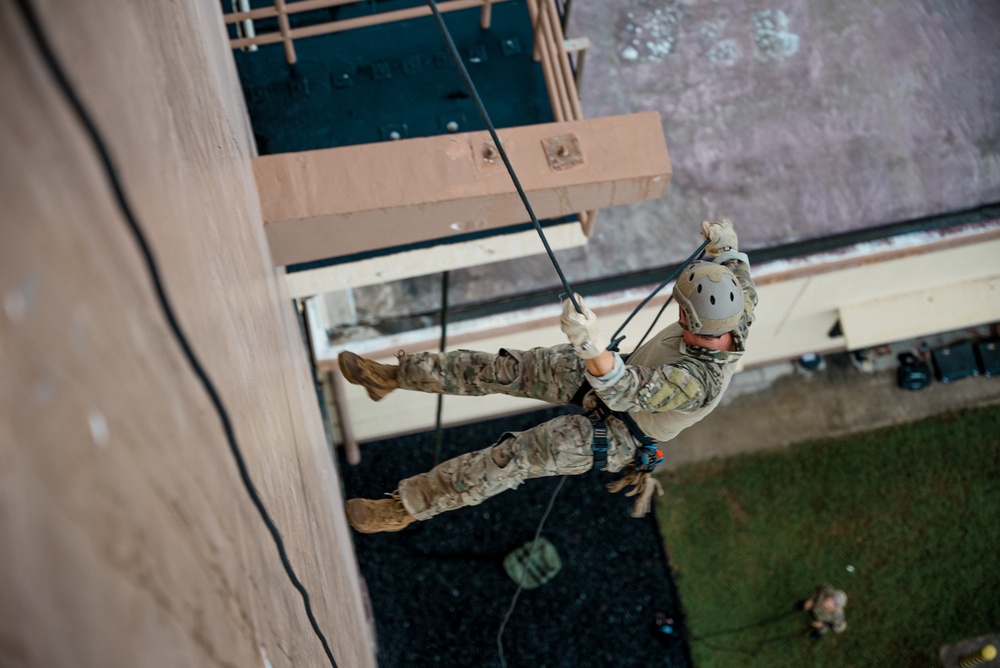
(835, 618)
(667, 385)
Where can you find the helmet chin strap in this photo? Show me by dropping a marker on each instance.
(682, 319)
(720, 342)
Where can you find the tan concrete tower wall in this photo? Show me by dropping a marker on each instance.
(126, 536)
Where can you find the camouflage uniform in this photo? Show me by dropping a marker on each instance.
(665, 387)
(831, 620)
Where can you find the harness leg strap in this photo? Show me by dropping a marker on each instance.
(600, 440)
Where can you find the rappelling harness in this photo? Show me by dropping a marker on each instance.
(647, 455)
(639, 473)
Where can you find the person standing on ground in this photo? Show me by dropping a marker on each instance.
(666, 385)
(826, 609)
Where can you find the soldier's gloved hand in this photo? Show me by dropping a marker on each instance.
(581, 329)
(721, 237)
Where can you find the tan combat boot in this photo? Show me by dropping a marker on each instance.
(376, 516)
(379, 379)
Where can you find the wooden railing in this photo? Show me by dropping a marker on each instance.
(287, 35)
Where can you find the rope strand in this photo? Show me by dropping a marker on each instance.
(615, 339)
(524, 573)
(503, 153)
(555, 263)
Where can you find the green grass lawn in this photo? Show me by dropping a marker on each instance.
(915, 510)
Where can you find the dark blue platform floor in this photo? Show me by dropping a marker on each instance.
(396, 80)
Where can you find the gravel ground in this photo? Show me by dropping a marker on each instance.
(440, 593)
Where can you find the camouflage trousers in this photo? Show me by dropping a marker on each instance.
(561, 446)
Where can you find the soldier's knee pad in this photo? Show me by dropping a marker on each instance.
(503, 452)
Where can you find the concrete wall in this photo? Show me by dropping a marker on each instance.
(126, 536)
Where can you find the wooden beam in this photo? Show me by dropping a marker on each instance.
(344, 24)
(423, 261)
(354, 199)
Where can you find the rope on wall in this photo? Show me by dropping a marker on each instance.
(464, 72)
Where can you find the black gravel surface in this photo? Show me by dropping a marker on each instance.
(440, 593)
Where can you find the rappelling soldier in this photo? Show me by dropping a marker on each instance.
(632, 405)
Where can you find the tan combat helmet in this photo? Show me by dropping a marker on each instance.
(710, 297)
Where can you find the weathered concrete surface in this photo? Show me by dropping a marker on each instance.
(802, 118)
(796, 118)
(126, 536)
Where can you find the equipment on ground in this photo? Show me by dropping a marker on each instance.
(955, 362)
(533, 564)
(913, 373)
(988, 356)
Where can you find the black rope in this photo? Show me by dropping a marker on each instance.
(524, 572)
(615, 339)
(503, 153)
(555, 263)
(111, 173)
(743, 650)
(737, 629)
(444, 339)
(702, 639)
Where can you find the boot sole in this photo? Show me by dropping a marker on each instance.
(354, 503)
(349, 369)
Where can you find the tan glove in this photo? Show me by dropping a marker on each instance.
(581, 330)
(643, 485)
(721, 237)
